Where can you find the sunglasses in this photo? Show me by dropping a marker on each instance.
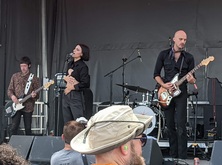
(143, 139)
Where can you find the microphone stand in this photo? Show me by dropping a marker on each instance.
(195, 145)
(123, 80)
(110, 74)
(57, 95)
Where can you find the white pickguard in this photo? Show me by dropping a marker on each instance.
(18, 106)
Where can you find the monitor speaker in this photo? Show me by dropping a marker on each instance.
(22, 144)
(43, 147)
(152, 153)
(2, 124)
(216, 157)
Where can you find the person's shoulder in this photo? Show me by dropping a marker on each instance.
(91, 159)
(82, 64)
(17, 74)
(188, 55)
(56, 154)
(166, 51)
(36, 78)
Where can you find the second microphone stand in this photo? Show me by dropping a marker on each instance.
(110, 74)
(195, 145)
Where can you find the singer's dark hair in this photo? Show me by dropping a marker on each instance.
(85, 52)
(25, 60)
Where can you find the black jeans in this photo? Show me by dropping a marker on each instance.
(27, 118)
(72, 106)
(176, 115)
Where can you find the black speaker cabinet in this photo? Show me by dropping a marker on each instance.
(216, 157)
(2, 124)
(213, 121)
(22, 144)
(152, 153)
(43, 147)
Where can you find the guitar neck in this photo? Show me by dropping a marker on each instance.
(178, 83)
(30, 95)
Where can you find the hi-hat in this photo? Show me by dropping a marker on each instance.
(134, 88)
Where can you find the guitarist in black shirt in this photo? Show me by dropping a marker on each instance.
(173, 99)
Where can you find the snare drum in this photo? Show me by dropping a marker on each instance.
(143, 110)
(158, 120)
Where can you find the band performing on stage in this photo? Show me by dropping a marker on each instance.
(166, 104)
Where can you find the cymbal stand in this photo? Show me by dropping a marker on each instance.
(123, 75)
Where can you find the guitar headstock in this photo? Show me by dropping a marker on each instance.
(47, 85)
(207, 60)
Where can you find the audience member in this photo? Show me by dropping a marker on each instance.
(9, 156)
(115, 136)
(67, 155)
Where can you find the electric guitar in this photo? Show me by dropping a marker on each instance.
(165, 96)
(11, 108)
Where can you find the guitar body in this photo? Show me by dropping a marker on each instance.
(18, 106)
(165, 96)
(11, 108)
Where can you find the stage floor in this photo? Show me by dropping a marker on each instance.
(202, 151)
(169, 161)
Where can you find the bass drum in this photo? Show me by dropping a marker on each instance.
(143, 110)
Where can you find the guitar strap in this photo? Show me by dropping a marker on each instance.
(181, 65)
(28, 84)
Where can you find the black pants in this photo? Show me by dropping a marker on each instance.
(27, 118)
(176, 115)
(72, 106)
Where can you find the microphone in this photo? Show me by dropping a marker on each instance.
(194, 92)
(69, 56)
(138, 51)
(124, 59)
(170, 42)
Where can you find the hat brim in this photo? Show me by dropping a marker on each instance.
(78, 145)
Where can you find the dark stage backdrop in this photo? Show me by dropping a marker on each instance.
(113, 30)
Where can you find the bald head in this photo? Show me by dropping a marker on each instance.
(180, 38)
(180, 33)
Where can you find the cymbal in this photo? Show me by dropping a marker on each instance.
(134, 88)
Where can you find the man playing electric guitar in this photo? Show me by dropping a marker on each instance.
(176, 61)
(23, 83)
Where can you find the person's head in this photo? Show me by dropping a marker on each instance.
(8, 155)
(71, 129)
(25, 64)
(180, 39)
(81, 51)
(115, 130)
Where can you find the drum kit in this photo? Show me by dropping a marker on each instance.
(148, 106)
